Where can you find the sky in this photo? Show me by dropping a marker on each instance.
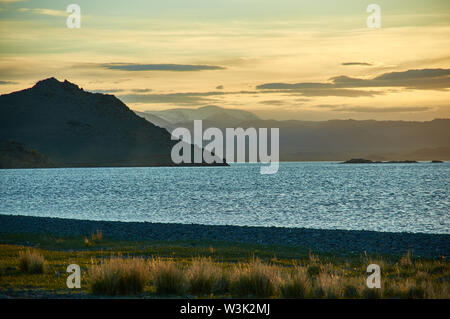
(285, 59)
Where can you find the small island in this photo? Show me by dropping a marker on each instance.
(17, 155)
(367, 161)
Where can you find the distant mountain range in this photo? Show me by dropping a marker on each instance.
(326, 140)
(70, 127)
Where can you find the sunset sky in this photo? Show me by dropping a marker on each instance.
(286, 59)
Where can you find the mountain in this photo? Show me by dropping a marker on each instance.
(332, 140)
(376, 140)
(73, 127)
(154, 119)
(214, 116)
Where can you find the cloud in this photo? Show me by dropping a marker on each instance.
(107, 91)
(284, 104)
(141, 90)
(422, 79)
(357, 63)
(273, 102)
(48, 12)
(198, 98)
(374, 109)
(329, 106)
(414, 74)
(393, 109)
(120, 90)
(190, 98)
(159, 67)
(171, 98)
(294, 86)
(324, 91)
(7, 82)
(302, 100)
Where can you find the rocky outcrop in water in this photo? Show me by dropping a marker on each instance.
(17, 155)
(366, 161)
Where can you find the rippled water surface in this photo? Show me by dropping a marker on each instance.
(381, 197)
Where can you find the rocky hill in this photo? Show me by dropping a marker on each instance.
(73, 127)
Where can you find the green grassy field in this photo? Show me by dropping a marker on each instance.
(208, 270)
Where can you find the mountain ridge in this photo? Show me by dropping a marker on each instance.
(342, 139)
(73, 127)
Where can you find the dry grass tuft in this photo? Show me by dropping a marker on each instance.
(328, 286)
(371, 293)
(168, 277)
(256, 279)
(297, 284)
(407, 260)
(87, 242)
(204, 276)
(31, 262)
(350, 291)
(97, 236)
(119, 276)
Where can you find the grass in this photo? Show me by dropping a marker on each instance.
(118, 276)
(298, 284)
(95, 239)
(168, 277)
(163, 269)
(255, 279)
(205, 277)
(328, 286)
(31, 262)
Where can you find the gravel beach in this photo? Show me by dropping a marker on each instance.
(344, 242)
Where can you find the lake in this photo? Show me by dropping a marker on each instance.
(324, 195)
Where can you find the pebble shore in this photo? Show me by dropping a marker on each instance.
(344, 242)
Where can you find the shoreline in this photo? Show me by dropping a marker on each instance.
(344, 242)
